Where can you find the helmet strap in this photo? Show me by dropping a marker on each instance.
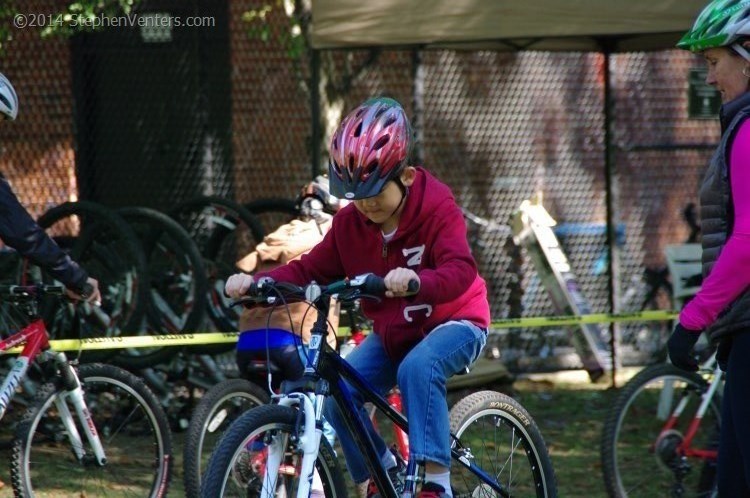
(404, 194)
(742, 51)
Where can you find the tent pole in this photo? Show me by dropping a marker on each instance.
(611, 195)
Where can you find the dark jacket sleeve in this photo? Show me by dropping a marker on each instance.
(19, 231)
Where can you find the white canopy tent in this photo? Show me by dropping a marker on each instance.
(605, 26)
(555, 25)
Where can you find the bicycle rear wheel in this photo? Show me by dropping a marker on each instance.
(132, 428)
(639, 457)
(499, 436)
(219, 407)
(178, 284)
(237, 465)
(272, 212)
(225, 232)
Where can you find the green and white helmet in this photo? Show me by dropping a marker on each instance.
(720, 24)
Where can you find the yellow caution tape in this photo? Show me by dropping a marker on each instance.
(551, 321)
(196, 339)
(141, 341)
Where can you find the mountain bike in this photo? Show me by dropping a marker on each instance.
(660, 437)
(97, 426)
(227, 400)
(277, 450)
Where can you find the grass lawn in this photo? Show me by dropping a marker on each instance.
(568, 409)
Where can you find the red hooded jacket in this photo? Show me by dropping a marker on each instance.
(430, 239)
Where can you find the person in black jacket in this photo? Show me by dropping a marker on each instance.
(19, 230)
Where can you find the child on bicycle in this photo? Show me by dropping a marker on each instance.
(405, 225)
(19, 230)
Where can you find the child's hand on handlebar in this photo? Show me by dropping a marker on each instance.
(237, 285)
(397, 282)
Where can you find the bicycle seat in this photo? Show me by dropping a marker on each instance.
(264, 339)
(273, 350)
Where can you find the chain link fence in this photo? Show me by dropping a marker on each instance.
(123, 118)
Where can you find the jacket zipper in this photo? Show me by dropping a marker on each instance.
(384, 252)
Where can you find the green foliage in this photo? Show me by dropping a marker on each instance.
(7, 11)
(291, 36)
(81, 16)
(76, 17)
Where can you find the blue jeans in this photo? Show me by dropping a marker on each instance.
(421, 376)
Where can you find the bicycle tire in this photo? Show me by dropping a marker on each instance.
(104, 244)
(132, 427)
(225, 231)
(272, 212)
(244, 441)
(220, 406)
(178, 286)
(641, 468)
(472, 419)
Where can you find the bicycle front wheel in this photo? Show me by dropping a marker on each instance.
(495, 433)
(132, 428)
(640, 439)
(219, 407)
(238, 464)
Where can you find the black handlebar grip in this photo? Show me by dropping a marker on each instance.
(375, 286)
(252, 290)
(413, 287)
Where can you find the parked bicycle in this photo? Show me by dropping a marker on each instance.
(660, 437)
(177, 284)
(276, 450)
(89, 430)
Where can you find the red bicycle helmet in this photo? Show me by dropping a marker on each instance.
(369, 148)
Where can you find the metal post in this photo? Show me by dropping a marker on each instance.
(418, 74)
(315, 132)
(612, 191)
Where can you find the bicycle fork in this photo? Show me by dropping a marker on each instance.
(73, 392)
(309, 443)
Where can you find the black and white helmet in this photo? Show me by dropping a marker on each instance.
(8, 98)
(315, 198)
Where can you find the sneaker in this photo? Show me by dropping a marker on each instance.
(432, 490)
(395, 474)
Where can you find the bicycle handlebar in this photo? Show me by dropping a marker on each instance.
(31, 290)
(266, 290)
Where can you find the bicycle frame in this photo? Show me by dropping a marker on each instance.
(35, 339)
(325, 376)
(685, 448)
